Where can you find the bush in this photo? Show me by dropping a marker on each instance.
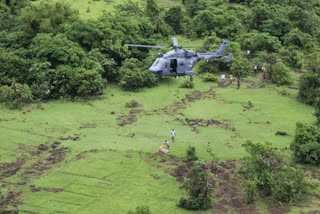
(265, 171)
(250, 189)
(198, 189)
(141, 210)
(132, 80)
(306, 144)
(289, 185)
(187, 84)
(15, 96)
(240, 67)
(132, 104)
(308, 85)
(280, 74)
(209, 78)
(191, 154)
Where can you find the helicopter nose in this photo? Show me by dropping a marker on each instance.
(155, 69)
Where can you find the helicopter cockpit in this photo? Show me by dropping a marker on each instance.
(158, 65)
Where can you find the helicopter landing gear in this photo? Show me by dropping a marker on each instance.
(191, 78)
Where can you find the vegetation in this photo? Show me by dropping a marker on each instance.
(265, 172)
(141, 210)
(191, 154)
(198, 189)
(306, 144)
(50, 51)
(187, 84)
(209, 78)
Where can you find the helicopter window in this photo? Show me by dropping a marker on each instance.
(181, 63)
(156, 62)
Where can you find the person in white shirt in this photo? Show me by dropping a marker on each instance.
(248, 54)
(173, 134)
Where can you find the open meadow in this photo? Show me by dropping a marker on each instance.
(100, 156)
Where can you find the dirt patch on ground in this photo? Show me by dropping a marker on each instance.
(43, 147)
(10, 203)
(180, 172)
(74, 138)
(130, 118)
(281, 133)
(196, 123)
(157, 177)
(197, 95)
(33, 188)
(251, 83)
(10, 169)
(88, 125)
(247, 106)
(279, 210)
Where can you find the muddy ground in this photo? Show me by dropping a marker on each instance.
(44, 157)
(228, 195)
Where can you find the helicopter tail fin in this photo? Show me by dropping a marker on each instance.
(223, 47)
(228, 58)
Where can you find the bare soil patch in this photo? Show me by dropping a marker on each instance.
(88, 125)
(281, 133)
(10, 169)
(74, 138)
(10, 203)
(33, 188)
(196, 123)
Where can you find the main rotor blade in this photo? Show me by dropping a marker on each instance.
(175, 42)
(206, 46)
(145, 46)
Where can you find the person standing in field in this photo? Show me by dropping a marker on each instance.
(238, 82)
(255, 68)
(248, 54)
(231, 79)
(167, 144)
(173, 135)
(264, 76)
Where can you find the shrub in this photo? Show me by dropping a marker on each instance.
(265, 171)
(289, 185)
(280, 74)
(191, 154)
(240, 67)
(132, 104)
(198, 189)
(132, 80)
(210, 78)
(250, 189)
(15, 96)
(187, 84)
(141, 210)
(306, 144)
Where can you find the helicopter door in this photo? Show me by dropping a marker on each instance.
(181, 65)
(173, 65)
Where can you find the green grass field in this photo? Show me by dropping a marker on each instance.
(112, 168)
(92, 9)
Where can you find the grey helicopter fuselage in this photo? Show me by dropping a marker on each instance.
(175, 63)
(179, 62)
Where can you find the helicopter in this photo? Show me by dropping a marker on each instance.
(179, 61)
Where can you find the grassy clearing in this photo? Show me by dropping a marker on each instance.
(92, 9)
(109, 166)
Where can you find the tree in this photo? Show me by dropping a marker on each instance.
(280, 74)
(259, 42)
(175, 17)
(152, 10)
(198, 188)
(15, 96)
(276, 27)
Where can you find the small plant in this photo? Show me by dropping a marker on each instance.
(187, 84)
(208, 77)
(133, 104)
(191, 154)
(88, 10)
(141, 210)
